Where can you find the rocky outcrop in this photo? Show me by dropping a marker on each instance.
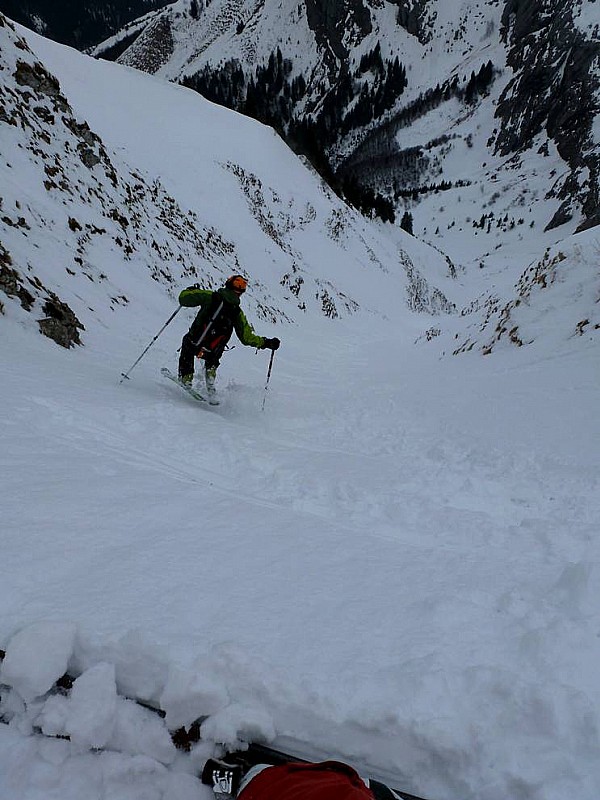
(11, 283)
(60, 323)
(555, 90)
(413, 16)
(153, 47)
(336, 24)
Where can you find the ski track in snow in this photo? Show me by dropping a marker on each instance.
(264, 542)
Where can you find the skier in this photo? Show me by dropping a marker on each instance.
(328, 780)
(220, 314)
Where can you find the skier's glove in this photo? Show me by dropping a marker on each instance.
(271, 344)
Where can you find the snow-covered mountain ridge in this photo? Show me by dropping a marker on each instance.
(393, 560)
(87, 209)
(484, 95)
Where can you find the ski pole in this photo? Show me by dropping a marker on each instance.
(135, 363)
(268, 378)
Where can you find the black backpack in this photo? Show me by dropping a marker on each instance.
(214, 340)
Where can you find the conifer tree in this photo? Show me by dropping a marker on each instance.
(406, 222)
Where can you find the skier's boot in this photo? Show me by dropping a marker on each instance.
(186, 380)
(223, 777)
(210, 375)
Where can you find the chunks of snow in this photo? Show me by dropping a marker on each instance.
(189, 695)
(37, 656)
(239, 722)
(94, 716)
(141, 665)
(138, 730)
(88, 714)
(34, 768)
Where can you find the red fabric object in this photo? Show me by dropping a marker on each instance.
(328, 780)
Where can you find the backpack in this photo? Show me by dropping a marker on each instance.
(214, 340)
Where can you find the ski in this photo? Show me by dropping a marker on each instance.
(188, 389)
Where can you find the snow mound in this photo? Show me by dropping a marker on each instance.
(37, 657)
(83, 731)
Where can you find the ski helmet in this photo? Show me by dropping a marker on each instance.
(237, 283)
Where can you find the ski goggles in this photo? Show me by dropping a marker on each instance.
(238, 283)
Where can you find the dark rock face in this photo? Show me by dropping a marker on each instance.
(412, 16)
(153, 47)
(35, 77)
(60, 324)
(10, 282)
(555, 90)
(80, 24)
(332, 21)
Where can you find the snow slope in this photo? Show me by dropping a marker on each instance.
(396, 563)
(509, 152)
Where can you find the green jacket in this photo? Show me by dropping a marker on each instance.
(192, 297)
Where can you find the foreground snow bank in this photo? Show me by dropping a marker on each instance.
(62, 732)
(37, 767)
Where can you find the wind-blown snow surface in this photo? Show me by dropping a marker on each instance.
(395, 563)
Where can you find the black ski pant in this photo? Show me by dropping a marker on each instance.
(189, 350)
